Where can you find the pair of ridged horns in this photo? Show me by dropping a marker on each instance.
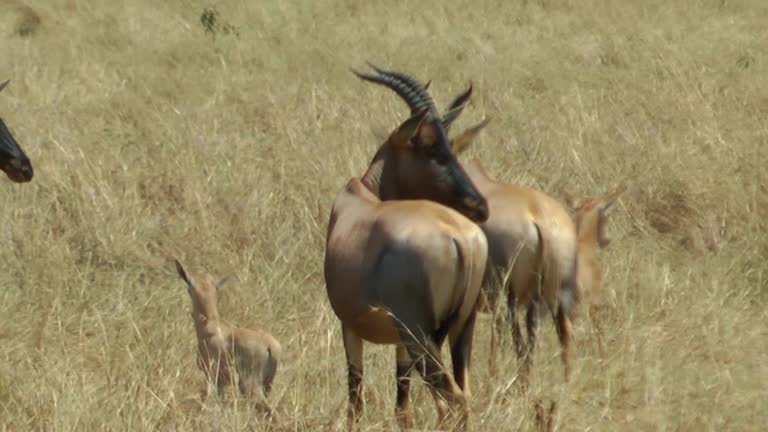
(415, 94)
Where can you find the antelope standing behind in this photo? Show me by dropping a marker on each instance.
(13, 161)
(537, 257)
(591, 218)
(227, 353)
(532, 260)
(404, 257)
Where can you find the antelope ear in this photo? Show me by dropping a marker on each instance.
(450, 116)
(3, 84)
(460, 142)
(570, 200)
(182, 273)
(456, 107)
(401, 138)
(608, 199)
(222, 281)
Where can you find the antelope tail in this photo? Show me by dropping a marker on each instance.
(463, 281)
(271, 371)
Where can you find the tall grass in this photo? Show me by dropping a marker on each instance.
(153, 138)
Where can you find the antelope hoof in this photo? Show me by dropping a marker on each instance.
(404, 420)
(545, 421)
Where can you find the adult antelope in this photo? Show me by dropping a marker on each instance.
(13, 161)
(532, 260)
(404, 257)
(537, 257)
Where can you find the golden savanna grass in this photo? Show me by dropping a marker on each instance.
(153, 138)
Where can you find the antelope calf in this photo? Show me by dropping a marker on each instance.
(591, 218)
(404, 257)
(13, 161)
(227, 353)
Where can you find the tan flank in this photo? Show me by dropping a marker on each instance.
(404, 261)
(228, 354)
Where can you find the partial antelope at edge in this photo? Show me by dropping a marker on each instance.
(226, 353)
(13, 161)
(404, 258)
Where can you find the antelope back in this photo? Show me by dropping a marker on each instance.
(13, 161)
(416, 160)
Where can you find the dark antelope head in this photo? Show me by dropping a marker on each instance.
(416, 161)
(591, 215)
(13, 161)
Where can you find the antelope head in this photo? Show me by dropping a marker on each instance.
(416, 161)
(13, 161)
(591, 215)
(203, 290)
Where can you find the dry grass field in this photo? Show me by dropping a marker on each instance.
(153, 138)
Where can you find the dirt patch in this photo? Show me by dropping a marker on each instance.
(28, 22)
(670, 210)
(18, 19)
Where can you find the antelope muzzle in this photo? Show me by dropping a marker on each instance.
(476, 209)
(13, 161)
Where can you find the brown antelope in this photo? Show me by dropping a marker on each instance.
(532, 259)
(227, 353)
(591, 218)
(404, 259)
(13, 161)
(536, 257)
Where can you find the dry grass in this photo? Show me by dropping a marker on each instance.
(152, 138)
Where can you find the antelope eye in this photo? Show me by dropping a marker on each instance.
(429, 151)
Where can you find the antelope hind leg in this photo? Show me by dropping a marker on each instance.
(425, 352)
(565, 334)
(403, 409)
(353, 347)
(461, 357)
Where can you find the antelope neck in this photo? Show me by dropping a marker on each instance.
(376, 177)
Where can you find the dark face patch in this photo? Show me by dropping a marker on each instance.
(433, 172)
(13, 161)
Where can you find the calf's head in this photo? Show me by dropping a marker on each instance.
(591, 215)
(203, 291)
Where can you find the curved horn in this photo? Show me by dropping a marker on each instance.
(410, 90)
(3, 84)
